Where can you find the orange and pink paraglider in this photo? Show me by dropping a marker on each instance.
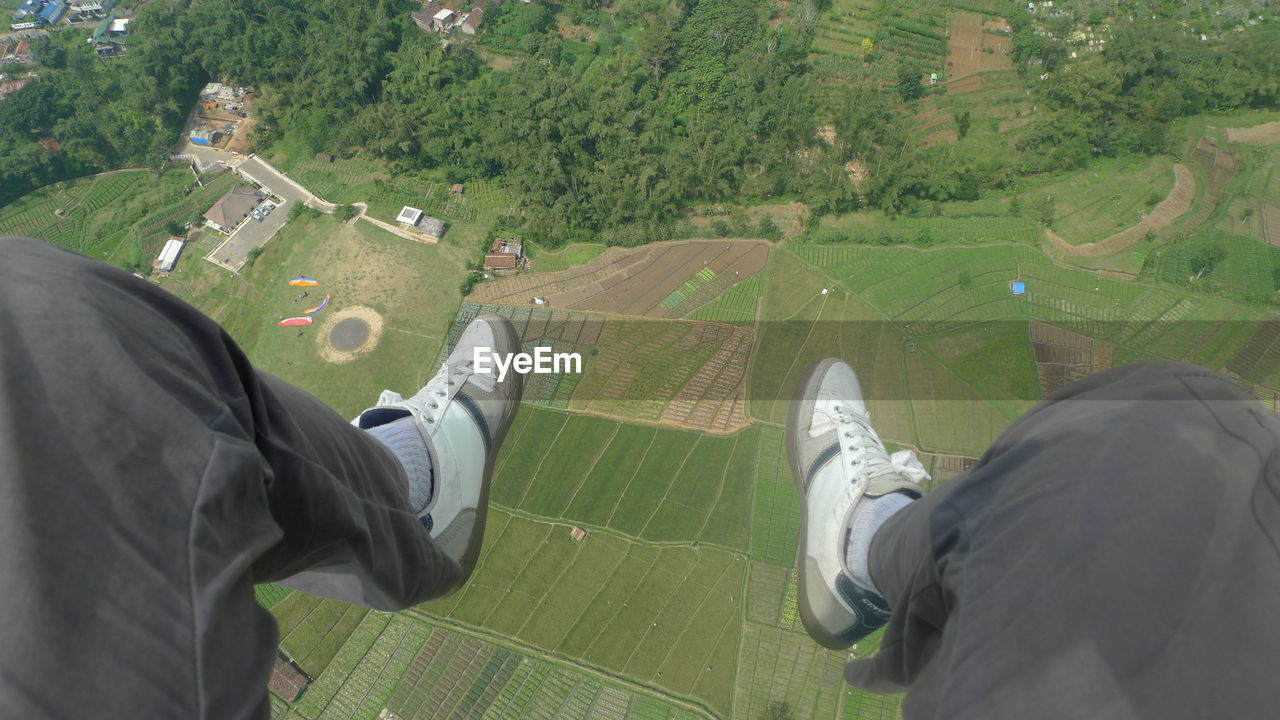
(304, 282)
(295, 321)
(317, 308)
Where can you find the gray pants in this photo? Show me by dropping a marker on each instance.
(149, 476)
(1114, 554)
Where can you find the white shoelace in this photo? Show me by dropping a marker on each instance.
(862, 449)
(439, 391)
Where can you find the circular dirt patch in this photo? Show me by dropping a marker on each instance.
(349, 333)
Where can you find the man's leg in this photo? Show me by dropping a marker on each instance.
(150, 477)
(1113, 555)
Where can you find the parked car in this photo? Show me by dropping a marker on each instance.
(257, 217)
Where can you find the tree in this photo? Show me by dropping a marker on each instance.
(962, 122)
(909, 85)
(1206, 258)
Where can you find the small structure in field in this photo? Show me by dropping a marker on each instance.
(457, 189)
(1018, 287)
(431, 227)
(409, 216)
(169, 255)
(577, 534)
(504, 255)
(324, 157)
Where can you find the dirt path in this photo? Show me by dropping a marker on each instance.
(1170, 209)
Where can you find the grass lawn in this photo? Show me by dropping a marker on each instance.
(576, 254)
(412, 286)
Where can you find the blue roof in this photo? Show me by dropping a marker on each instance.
(53, 11)
(1019, 288)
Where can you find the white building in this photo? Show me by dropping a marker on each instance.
(169, 255)
(409, 216)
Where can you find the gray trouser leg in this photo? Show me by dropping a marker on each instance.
(149, 477)
(1115, 554)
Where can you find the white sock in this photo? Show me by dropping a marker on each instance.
(867, 518)
(403, 438)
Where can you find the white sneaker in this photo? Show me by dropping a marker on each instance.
(463, 417)
(837, 459)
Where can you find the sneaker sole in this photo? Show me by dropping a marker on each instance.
(802, 403)
(503, 330)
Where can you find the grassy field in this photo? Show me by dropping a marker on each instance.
(665, 615)
(411, 285)
(549, 261)
(313, 629)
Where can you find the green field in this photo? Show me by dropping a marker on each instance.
(735, 305)
(576, 254)
(411, 285)
(663, 614)
(314, 629)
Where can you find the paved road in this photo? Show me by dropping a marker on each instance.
(233, 252)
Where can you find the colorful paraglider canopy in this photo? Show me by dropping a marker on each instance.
(317, 308)
(295, 321)
(304, 282)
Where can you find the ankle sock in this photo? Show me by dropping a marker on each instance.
(867, 518)
(403, 439)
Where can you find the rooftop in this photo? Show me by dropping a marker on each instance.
(410, 215)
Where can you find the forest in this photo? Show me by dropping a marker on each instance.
(669, 104)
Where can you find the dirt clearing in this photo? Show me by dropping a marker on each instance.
(349, 333)
(1265, 134)
(975, 45)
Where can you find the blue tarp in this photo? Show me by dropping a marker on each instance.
(1019, 288)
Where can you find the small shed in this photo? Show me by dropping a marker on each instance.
(577, 534)
(500, 261)
(169, 255)
(431, 227)
(442, 20)
(1018, 287)
(457, 189)
(324, 157)
(410, 216)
